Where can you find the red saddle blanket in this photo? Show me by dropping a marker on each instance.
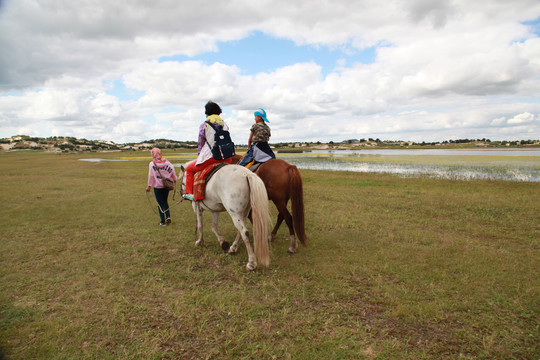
(201, 177)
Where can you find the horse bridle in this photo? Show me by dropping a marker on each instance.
(182, 189)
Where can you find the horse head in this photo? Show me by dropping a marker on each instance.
(182, 180)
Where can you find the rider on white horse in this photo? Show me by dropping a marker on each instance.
(206, 142)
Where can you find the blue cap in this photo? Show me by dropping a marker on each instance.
(262, 113)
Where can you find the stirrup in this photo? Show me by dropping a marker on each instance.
(188, 197)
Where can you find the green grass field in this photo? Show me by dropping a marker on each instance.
(395, 269)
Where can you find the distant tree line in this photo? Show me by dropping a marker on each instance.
(67, 143)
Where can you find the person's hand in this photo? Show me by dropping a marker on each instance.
(148, 189)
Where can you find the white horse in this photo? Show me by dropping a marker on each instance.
(236, 190)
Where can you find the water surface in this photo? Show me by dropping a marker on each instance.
(466, 164)
(459, 152)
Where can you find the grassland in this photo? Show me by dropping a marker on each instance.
(395, 269)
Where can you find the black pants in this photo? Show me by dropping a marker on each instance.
(162, 196)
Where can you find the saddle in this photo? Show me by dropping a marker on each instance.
(253, 166)
(202, 177)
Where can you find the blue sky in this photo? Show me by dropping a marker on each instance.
(409, 70)
(534, 25)
(118, 89)
(262, 53)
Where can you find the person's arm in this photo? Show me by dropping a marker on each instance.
(149, 177)
(173, 173)
(250, 138)
(202, 138)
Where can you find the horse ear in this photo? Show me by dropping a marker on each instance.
(182, 168)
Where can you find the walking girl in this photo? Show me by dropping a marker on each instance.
(158, 169)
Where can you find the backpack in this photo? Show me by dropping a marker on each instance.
(223, 145)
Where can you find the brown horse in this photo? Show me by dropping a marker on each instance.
(283, 182)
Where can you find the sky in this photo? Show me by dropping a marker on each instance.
(134, 70)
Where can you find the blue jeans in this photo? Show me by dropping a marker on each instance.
(162, 196)
(247, 158)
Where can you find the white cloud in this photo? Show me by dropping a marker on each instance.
(523, 118)
(182, 84)
(442, 69)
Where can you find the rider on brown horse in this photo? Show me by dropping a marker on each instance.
(258, 149)
(282, 180)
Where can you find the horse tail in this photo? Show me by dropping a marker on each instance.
(261, 217)
(296, 193)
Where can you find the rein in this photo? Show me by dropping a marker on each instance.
(160, 209)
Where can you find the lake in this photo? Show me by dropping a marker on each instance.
(466, 164)
(462, 152)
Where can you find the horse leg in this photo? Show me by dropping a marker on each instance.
(215, 229)
(286, 215)
(234, 247)
(272, 235)
(240, 223)
(199, 216)
(294, 245)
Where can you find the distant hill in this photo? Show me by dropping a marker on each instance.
(71, 144)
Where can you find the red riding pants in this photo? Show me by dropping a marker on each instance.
(192, 168)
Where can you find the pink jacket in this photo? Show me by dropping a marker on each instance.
(166, 169)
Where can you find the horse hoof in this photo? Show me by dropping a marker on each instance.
(250, 267)
(291, 251)
(198, 243)
(225, 245)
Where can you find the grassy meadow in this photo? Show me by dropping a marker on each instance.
(396, 268)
